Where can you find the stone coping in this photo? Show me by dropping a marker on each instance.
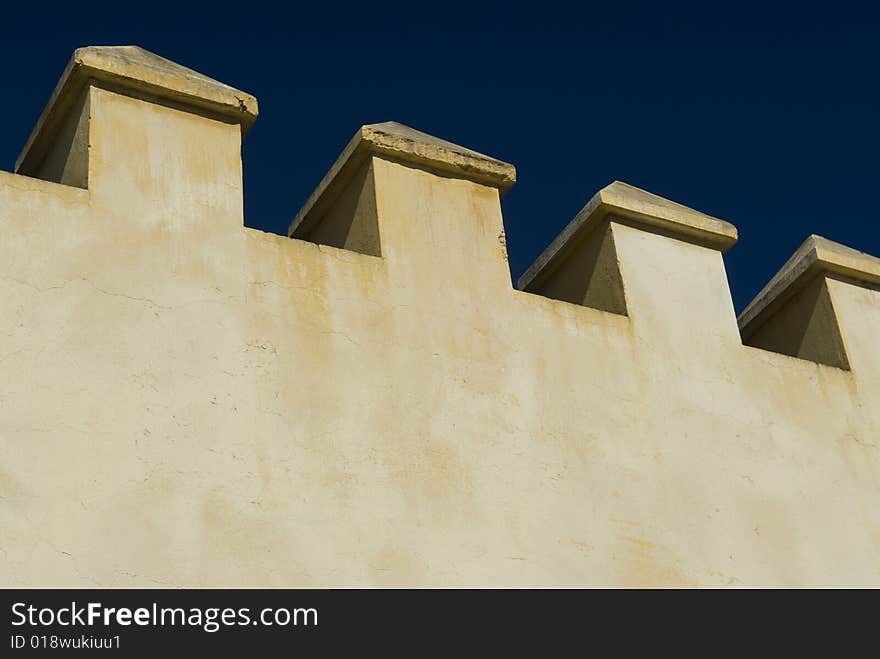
(630, 205)
(816, 255)
(404, 144)
(131, 68)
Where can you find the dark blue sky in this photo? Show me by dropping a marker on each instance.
(765, 117)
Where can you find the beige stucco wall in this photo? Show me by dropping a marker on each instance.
(184, 401)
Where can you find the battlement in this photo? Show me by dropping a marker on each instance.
(370, 401)
(330, 218)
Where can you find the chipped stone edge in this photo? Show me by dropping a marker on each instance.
(403, 144)
(627, 204)
(815, 256)
(85, 65)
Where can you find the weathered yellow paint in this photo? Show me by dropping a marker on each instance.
(184, 401)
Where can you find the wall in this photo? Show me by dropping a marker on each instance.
(184, 401)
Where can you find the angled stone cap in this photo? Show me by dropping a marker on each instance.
(404, 144)
(140, 71)
(630, 205)
(816, 255)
